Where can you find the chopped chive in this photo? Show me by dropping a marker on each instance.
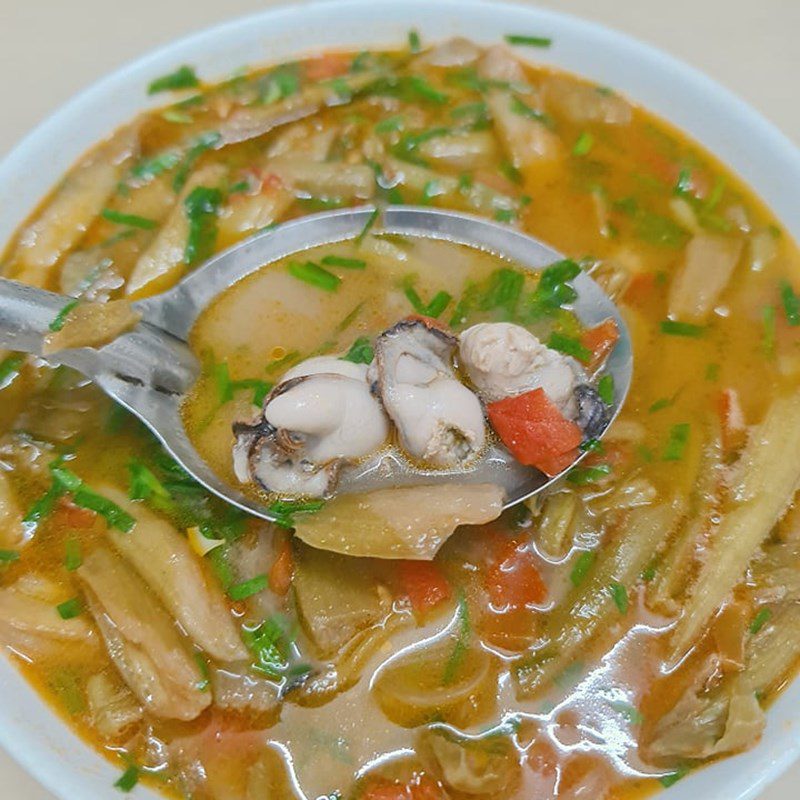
(128, 780)
(439, 303)
(204, 684)
(768, 336)
(183, 78)
(390, 124)
(368, 226)
(677, 442)
(360, 352)
(619, 594)
(592, 446)
(70, 608)
(177, 116)
(712, 372)
(85, 497)
(462, 641)
(430, 190)
(44, 506)
(581, 476)
(203, 142)
(150, 168)
(465, 182)
(581, 568)
(61, 318)
(583, 145)
(570, 346)
(673, 777)
(222, 382)
(342, 261)
(201, 208)
(421, 87)
(662, 403)
(505, 215)
(528, 41)
(7, 556)
(414, 43)
(760, 620)
(650, 571)
(260, 388)
(73, 556)
(478, 109)
(9, 367)
(791, 304)
(245, 589)
(674, 328)
(132, 220)
(605, 388)
(524, 110)
(284, 510)
(64, 683)
(315, 275)
(509, 171)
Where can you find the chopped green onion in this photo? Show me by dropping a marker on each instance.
(361, 351)
(61, 318)
(7, 556)
(662, 403)
(674, 328)
(768, 336)
(9, 368)
(44, 506)
(619, 594)
(631, 713)
(581, 476)
(128, 780)
(144, 485)
(201, 208)
(85, 497)
(507, 215)
(315, 275)
(677, 442)
(245, 589)
(673, 777)
(462, 641)
(268, 643)
(283, 361)
(524, 110)
(204, 684)
(581, 568)
(478, 109)
(284, 510)
(712, 372)
(373, 217)
(791, 304)
(65, 684)
(433, 309)
(509, 171)
(203, 142)
(605, 388)
(569, 346)
(176, 116)
(390, 124)
(183, 78)
(260, 388)
(592, 446)
(528, 41)
(132, 220)
(70, 608)
(583, 145)
(151, 168)
(342, 261)
(421, 87)
(73, 557)
(760, 620)
(414, 44)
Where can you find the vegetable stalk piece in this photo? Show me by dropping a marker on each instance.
(71, 210)
(12, 531)
(763, 483)
(705, 273)
(163, 263)
(587, 610)
(166, 562)
(141, 639)
(92, 325)
(535, 431)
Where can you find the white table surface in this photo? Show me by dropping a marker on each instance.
(50, 49)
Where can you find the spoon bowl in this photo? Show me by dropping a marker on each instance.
(151, 369)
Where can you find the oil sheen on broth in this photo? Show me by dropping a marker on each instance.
(626, 629)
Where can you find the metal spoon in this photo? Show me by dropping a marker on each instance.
(150, 369)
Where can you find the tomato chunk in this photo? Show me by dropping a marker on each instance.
(535, 431)
(600, 340)
(424, 583)
(73, 516)
(420, 787)
(282, 570)
(513, 580)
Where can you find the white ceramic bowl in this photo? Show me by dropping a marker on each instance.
(761, 155)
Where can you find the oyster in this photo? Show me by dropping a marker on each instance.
(439, 420)
(318, 418)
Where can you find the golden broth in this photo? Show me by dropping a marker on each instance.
(550, 629)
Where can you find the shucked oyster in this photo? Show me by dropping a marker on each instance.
(312, 423)
(439, 420)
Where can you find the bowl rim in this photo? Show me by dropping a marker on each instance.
(747, 143)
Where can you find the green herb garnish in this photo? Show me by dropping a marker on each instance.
(245, 589)
(7, 556)
(791, 304)
(583, 145)
(528, 41)
(619, 594)
(203, 142)
(183, 78)
(201, 208)
(414, 43)
(61, 318)
(605, 388)
(204, 684)
(760, 620)
(361, 351)
(315, 275)
(283, 511)
(660, 404)
(342, 261)
(673, 777)
(269, 643)
(581, 568)
(524, 110)
(569, 346)
(129, 779)
(132, 220)
(70, 608)
(462, 641)
(390, 124)
(373, 218)
(769, 332)
(9, 368)
(85, 497)
(677, 442)
(674, 328)
(73, 557)
(581, 476)
(631, 713)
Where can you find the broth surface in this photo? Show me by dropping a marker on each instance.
(602, 643)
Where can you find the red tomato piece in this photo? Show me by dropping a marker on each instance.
(282, 570)
(513, 580)
(74, 517)
(329, 65)
(600, 340)
(535, 431)
(424, 583)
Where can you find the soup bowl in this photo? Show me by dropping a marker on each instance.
(761, 155)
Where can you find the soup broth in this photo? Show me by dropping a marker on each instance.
(603, 641)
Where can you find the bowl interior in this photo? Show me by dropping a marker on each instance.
(761, 155)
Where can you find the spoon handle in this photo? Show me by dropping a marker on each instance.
(26, 314)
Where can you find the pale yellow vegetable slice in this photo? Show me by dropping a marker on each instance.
(405, 522)
(326, 179)
(707, 269)
(72, 210)
(763, 484)
(141, 639)
(467, 151)
(583, 103)
(24, 611)
(163, 263)
(12, 531)
(92, 325)
(165, 560)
